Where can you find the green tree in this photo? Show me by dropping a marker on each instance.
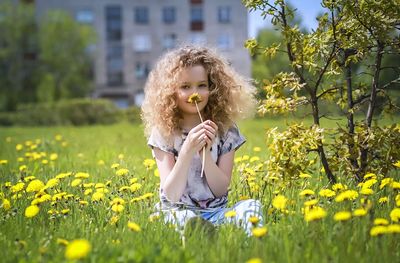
(340, 61)
(18, 44)
(64, 56)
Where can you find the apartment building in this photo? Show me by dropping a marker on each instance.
(132, 34)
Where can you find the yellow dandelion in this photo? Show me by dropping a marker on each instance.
(346, 195)
(31, 211)
(304, 175)
(342, 216)
(327, 193)
(378, 230)
(257, 149)
(35, 186)
(195, 97)
(19, 147)
(393, 228)
(3, 162)
(65, 211)
(117, 205)
(306, 192)
(134, 227)
(115, 165)
(77, 249)
(58, 137)
(381, 221)
(395, 185)
(156, 173)
(51, 183)
(114, 220)
(101, 162)
(315, 213)
(6, 204)
(254, 159)
(121, 156)
(134, 187)
(311, 202)
(259, 231)
(254, 220)
(360, 212)
(97, 196)
(76, 182)
(22, 168)
(279, 202)
(81, 175)
(383, 200)
(370, 175)
(366, 191)
(230, 214)
(395, 215)
(254, 260)
(149, 163)
(397, 164)
(53, 157)
(17, 187)
(369, 183)
(122, 172)
(385, 182)
(338, 186)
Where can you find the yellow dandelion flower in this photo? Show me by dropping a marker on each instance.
(58, 137)
(147, 195)
(378, 230)
(346, 195)
(393, 228)
(149, 163)
(327, 193)
(259, 231)
(383, 200)
(22, 168)
(366, 191)
(254, 159)
(81, 175)
(381, 221)
(360, 212)
(121, 156)
(257, 149)
(311, 202)
(395, 185)
(306, 192)
(114, 220)
(64, 144)
(31, 211)
(35, 186)
(279, 202)
(254, 220)
(230, 214)
(101, 162)
(385, 182)
(195, 97)
(76, 182)
(61, 241)
(51, 183)
(65, 211)
(115, 165)
(29, 178)
(3, 162)
(6, 204)
(338, 186)
(156, 173)
(397, 164)
(97, 196)
(123, 188)
(45, 162)
(315, 213)
(99, 185)
(395, 215)
(83, 202)
(369, 183)
(122, 172)
(19, 147)
(134, 187)
(17, 187)
(254, 260)
(397, 198)
(134, 227)
(342, 216)
(53, 157)
(154, 217)
(77, 249)
(117, 204)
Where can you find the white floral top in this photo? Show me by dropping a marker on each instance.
(197, 194)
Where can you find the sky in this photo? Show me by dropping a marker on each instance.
(308, 10)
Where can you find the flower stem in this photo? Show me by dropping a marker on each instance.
(204, 148)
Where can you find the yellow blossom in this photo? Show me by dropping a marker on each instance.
(327, 193)
(149, 163)
(101, 162)
(346, 195)
(311, 202)
(117, 204)
(3, 162)
(307, 192)
(393, 228)
(53, 156)
(6, 204)
(342, 216)
(279, 202)
(156, 173)
(114, 220)
(397, 164)
(338, 186)
(22, 168)
(134, 227)
(366, 191)
(385, 182)
(360, 212)
(35, 186)
(17, 187)
(121, 156)
(31, 211)
(115, 165)
(256, 149)
(259, 231)
(381, 221)
(383, 200)
(62, 241)
(76, 182)
(254, 219)
(122, 172)
(195, 97)
(378, 230)
(304, 175)
(315, 213)
(230, 213)
(81, 175)
(395, 215)
(97, 196)
(395, 185)
(19, 147)
(51, 183)
(370, 175)
(369, 183)
(58, 137)
(77, 249)
(254, 260)
(134, 187)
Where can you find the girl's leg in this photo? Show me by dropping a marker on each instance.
(246, 209)
(177, 217)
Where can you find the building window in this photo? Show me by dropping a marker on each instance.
(198, 39)
(196, 18)
(142, 70)
(114, 23)
(169, 41)
(84, 16)
(224, 41)
(168, 15)
(115, 65)
(141, 43)
(224, 14)
(141, 15)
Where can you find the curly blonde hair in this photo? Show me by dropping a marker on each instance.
(231, 96)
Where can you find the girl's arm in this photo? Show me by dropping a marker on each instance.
(219, 174)
(173, 175)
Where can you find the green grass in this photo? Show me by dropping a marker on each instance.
(289, 237)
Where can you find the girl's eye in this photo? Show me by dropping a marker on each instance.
(185, 87)
(203, 86)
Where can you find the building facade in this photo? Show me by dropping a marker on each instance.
(132, 34)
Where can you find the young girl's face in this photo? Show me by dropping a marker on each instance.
(192, 80)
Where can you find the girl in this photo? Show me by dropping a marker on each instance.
(178, 137)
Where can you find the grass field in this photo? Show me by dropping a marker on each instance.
(74, 176)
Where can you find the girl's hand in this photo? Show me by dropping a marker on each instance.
(195, 140)
(211, 130)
